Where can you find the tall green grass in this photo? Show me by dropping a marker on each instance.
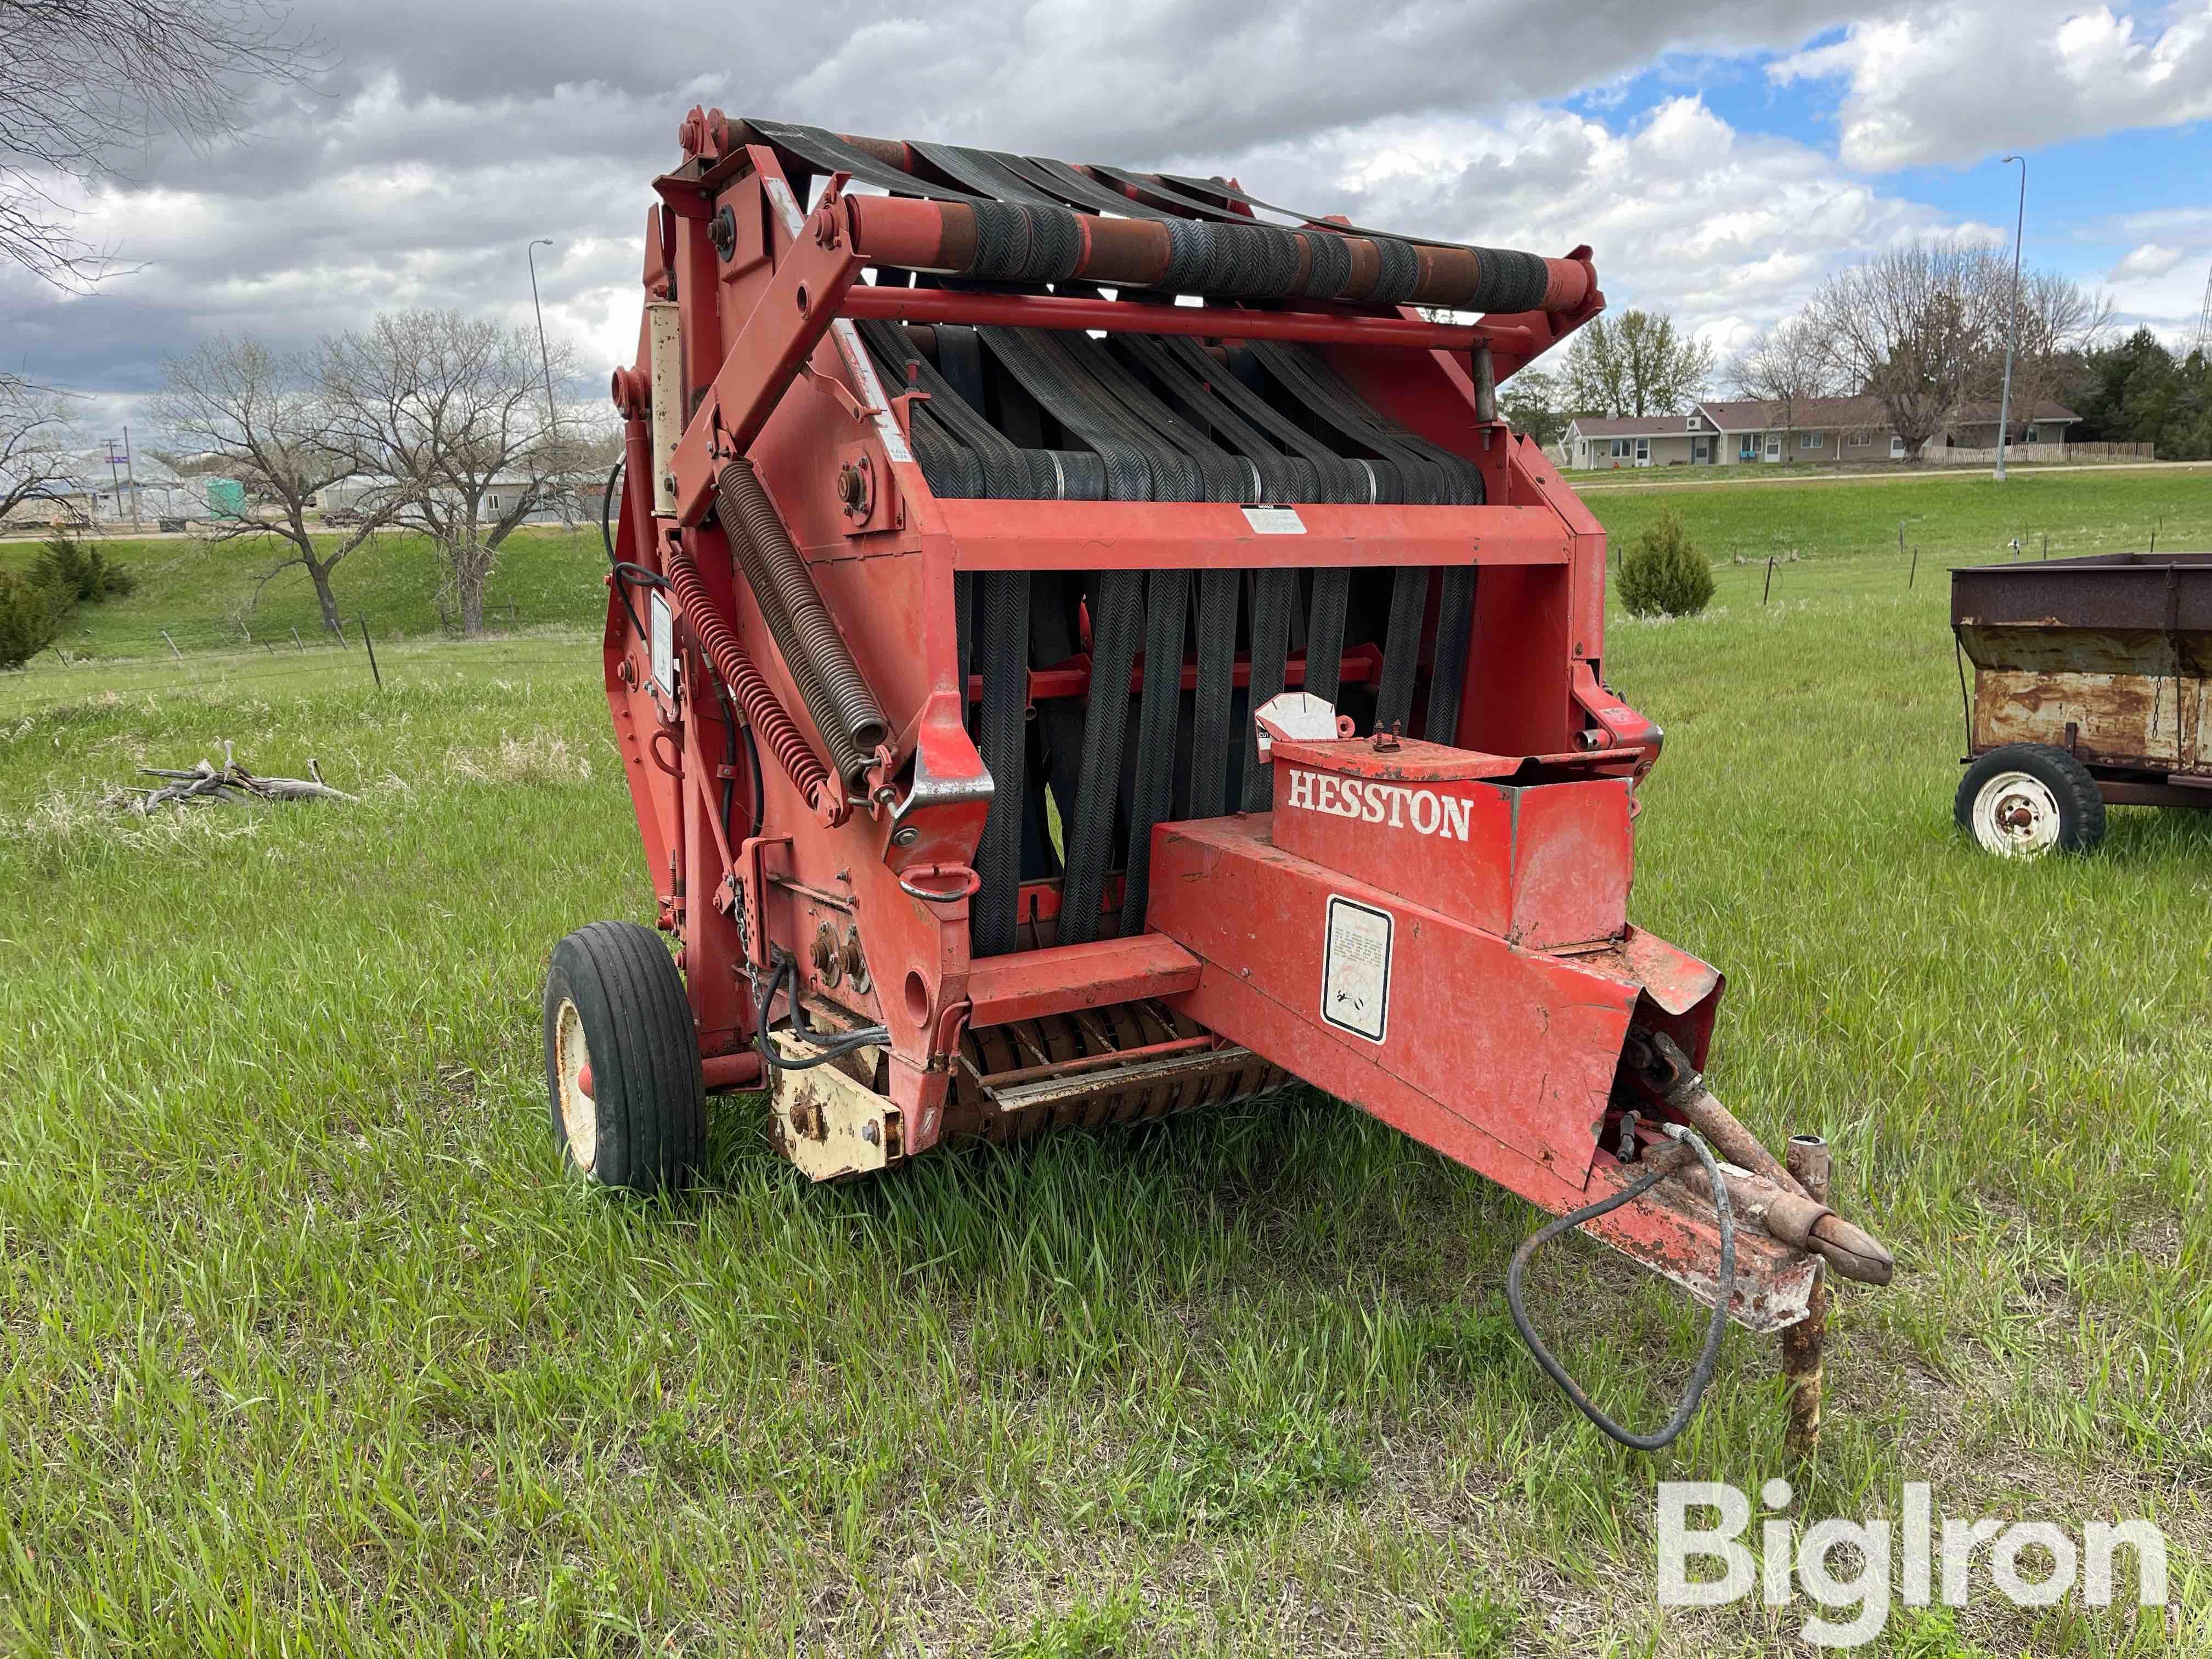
(308, 1348)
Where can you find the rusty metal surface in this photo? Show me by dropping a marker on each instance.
(1804, 1345)
(2108, 658)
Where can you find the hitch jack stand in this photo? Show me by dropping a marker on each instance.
(1804, 1345)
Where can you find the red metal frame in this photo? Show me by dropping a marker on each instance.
(1521, 976)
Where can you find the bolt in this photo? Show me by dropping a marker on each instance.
(905, 836)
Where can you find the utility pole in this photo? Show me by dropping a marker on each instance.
(2012, 339)
(131, 477)
(544, 357)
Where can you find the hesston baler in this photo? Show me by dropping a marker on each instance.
(1049, 703)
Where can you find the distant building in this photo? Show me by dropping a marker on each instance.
(1718, 433)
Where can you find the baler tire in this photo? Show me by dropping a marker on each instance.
(613, 995)
(2065, 807)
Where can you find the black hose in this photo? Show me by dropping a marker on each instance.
(1702, 1373)
(786, 966)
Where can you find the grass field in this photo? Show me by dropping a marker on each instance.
(309, 1350)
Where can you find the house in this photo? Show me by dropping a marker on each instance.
(1832, 430)
(1640, 440)
(1847, 429)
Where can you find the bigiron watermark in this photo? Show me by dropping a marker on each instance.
(1857, 1569)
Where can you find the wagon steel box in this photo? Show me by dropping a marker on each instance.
(2090, 688)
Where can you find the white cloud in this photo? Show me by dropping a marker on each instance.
(1957, 82)
(2144, 264)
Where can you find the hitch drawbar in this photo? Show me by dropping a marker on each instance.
(1440, 937)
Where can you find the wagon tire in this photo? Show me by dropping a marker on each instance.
(616, 1008)
(2028, 799)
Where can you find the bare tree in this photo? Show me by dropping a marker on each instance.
(1914, 328)
(453, 410)
(2059, 321)
(235, 409)
(1787, 365)
(37, 443)
(84, 82)
(1639, 364)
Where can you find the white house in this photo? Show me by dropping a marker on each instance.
(1718, 433)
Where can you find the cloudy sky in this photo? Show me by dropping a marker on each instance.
(1719, 159)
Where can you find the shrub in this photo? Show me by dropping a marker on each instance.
(30, 616)
(1661, 575)
(79, 572)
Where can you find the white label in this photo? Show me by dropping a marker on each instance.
(1275, 520)
(664, 646)
(1355, 973)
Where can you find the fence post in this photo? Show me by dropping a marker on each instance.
(173, 651)
(295, 641)
(1770, 580)
(1915, 576)
(371, 644)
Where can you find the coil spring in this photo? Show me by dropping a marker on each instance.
(739, 487)
(754, 694)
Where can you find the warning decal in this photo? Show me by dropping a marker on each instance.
(1355, 973)
(1275, 520)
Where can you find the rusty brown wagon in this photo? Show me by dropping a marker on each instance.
(2092, 687)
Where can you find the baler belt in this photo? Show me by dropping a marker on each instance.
(1117, 607)
(1402, 649)
(1424, 473)
(1004, 727)
(1448, 672)
(1274, 475)
(825, 152)
(1138, 466)
(963, 632)
(1167, 615)
(1064, 184)
(961, 453)
(1274, 591)
(980, 170)
(1332, 590)
(1217, 592)
(1336, 478)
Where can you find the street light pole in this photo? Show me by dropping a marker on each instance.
(544, 357)
(2012, 339)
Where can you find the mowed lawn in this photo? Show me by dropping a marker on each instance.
(309, 1349)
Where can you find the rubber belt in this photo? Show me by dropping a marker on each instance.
(1217, 593)
(1402, 649)
(964, 631)
(1272, 593)
(1117, 609)
(1005, 641)
(1167, 612)
(1448, 672)
(1332, 590)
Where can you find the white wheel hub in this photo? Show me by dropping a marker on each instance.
(579, 1114)
(2016, 816)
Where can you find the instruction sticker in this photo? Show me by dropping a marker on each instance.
(1275, 520)
(664, 646)
(1355, 974)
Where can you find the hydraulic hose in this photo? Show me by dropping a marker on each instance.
(763, 546)
(754, 694)
(1702, 1373)
(825, 1048)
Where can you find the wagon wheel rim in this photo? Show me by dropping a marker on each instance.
(579, 1114)
(2016, 815)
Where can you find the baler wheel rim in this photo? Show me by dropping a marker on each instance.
(579, 1124)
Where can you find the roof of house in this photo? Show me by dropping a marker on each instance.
(1634, 426)
(1752, 414)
